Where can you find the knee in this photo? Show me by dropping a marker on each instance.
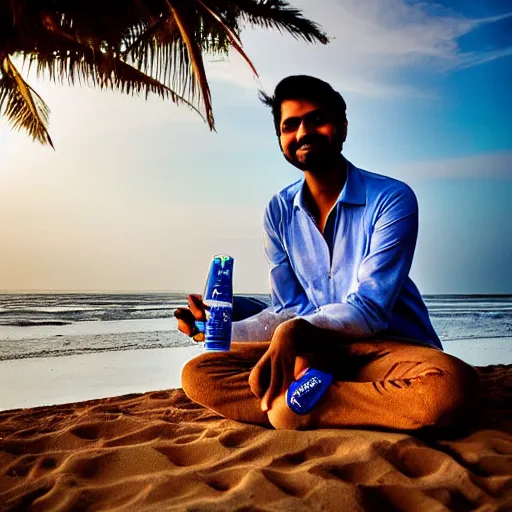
(456, 397)
(193, 379)
(189, 376)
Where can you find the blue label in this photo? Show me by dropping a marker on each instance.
(305, 393)
(218, 326)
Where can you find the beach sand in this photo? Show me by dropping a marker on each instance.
(159, 451)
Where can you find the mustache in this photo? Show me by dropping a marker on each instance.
(310, 139)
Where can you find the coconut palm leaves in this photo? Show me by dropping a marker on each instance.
(134, 46)
(22, 106)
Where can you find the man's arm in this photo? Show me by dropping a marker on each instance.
(286, 291)
(260, 327)
(381, 274)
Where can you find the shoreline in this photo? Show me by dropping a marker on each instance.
(54, 380)
(57, 380)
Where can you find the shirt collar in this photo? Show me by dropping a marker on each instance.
(353, 192)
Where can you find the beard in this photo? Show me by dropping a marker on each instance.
(322, 154)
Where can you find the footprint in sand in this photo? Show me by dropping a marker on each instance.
(160, 395)
(89, 432)
(319, 449)
(22, 466)
(237, 438)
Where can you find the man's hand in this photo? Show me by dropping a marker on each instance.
(278, 363)
(187, 317)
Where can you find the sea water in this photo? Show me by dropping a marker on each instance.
(36, 325)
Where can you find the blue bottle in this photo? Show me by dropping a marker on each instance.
(218, 296)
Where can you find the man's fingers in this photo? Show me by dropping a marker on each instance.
(186, 320)
(254, 378)
(258, 378)
(184, 314)
(288, 375)
(281, 377)
(274, 387)
(185, 328)
(197, 307)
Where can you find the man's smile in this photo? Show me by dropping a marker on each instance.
(309, 147)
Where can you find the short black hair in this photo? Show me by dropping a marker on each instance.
(304, 87)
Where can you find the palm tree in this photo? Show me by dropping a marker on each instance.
(134, 46)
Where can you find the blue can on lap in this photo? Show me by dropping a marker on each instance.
(305, 392)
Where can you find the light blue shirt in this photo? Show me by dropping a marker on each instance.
(356, 279)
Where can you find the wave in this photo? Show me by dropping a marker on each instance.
(82, 350)
(34, 323)
(476, 337)
(67, 345)
(469, 313)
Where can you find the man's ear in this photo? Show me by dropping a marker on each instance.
(345, 130)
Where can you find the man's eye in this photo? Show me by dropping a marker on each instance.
(288, 127)
(319, 119)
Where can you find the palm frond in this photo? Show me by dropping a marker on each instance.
(233, 38)
(134, 46)
(199, 82)
(280, 15)
(87, 61)
(22, 106)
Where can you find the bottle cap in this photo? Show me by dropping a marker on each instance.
(219, 285)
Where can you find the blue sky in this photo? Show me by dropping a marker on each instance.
(139, 194)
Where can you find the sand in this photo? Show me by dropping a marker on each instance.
(58, 380)
(159, 451)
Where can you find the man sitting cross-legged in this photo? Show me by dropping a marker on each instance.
(347, 325)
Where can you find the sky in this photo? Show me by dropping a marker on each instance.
(139, 195)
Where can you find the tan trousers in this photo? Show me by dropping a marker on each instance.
(380, 383)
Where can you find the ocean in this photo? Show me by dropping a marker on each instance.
(46, 324)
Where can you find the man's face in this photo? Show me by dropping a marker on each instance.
(309, 138)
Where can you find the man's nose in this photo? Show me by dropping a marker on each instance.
(305, 128)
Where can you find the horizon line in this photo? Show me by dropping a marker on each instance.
(139, 292)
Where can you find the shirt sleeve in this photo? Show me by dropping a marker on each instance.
(381, 274)
(261, 326)
(286, 291)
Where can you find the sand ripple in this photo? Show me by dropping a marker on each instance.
(159, 451)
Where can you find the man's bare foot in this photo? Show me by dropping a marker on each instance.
(282, 417)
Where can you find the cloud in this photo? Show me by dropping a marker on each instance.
(372, 41)
(469, 60)
(489, 166)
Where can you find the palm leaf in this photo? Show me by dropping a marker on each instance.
(196, 62)
(280, 15)
(22, 106)
(233, 38)
(106, 71)
(135, 46)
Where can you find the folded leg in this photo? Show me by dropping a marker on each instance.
(220, 381)
(388, 384)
